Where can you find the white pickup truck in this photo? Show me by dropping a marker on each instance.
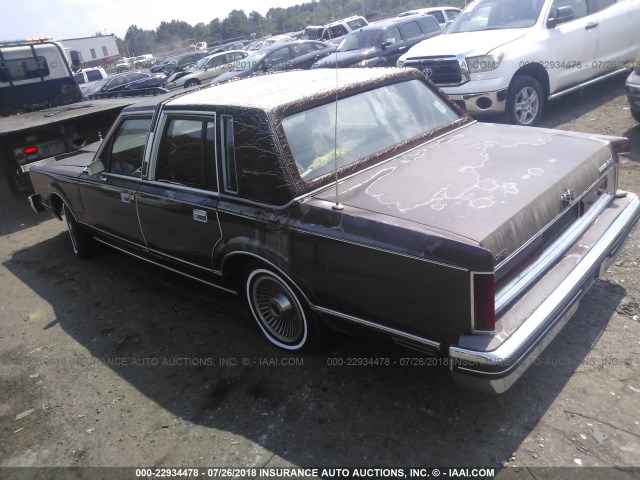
(514, 55)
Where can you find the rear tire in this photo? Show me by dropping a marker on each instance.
(82, 242)
(636, 115)
(525, 101)
(281, 312)
(191, 83)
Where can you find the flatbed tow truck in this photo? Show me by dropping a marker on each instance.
(42, 111)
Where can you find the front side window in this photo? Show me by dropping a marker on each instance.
(429, 25)
(392, 36)
(498, 15)
(187, 153)
(124, 153)
(579, 7)
(368, 123)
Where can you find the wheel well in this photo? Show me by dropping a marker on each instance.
(56, 205)
(536, 71)
(234, 268)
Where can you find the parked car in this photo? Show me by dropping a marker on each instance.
(380, 44)
(206, 69)
(279, 56)
(313, 32)
(87, 77)
(444, 15)
(179, 63)
(512, 56)
(126, 81)
(390, 210)
(123, 65)
(334, 32)
(200, 46)
(273, 40)
(633, 92)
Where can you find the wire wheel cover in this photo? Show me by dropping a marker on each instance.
(277, 309)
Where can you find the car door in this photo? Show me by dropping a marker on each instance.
(177, 203)
(279, 59)
(392, 45)
(572, 46)
(615, 30)
(304, 55)
(109, 198)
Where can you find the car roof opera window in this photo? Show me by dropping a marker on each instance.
(229, 154)
(187, 153)
(124, 153)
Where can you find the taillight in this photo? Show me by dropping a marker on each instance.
(483, 302)
(30, 150)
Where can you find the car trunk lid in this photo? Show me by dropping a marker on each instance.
(497, 185)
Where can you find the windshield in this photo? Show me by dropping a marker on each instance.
(359, 40)
(249, 63)
(368, 123)
(96, 87)
(497, 15)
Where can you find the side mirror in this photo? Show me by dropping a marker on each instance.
(388, 42)
(94, 168)
(560, 15)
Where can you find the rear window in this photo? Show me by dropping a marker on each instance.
(93, 75)
(368, 123)
(27, 68)
(79, 78)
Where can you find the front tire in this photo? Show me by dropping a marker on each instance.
(191, 83)
(525, 101)
(280, 311)
(82, 243)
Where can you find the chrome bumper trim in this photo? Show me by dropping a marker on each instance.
(495, 371)
(497, 105)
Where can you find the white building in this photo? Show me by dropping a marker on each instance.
(97, 51)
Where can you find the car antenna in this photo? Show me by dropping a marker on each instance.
(337, 206)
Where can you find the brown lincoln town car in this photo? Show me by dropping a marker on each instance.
(364, 198)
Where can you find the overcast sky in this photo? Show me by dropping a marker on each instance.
(62, 19)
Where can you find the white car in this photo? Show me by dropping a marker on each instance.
(444, 15)
(514, 55)
(206, 69)
(86, 77)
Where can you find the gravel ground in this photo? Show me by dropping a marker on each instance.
(110, 362)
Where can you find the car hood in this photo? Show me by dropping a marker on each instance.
(468, 44)
(348, 58)
(496, 185)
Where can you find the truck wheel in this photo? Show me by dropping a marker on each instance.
(83, 244)
(636, 114)
(525, 101)
(191, 83)
(281, 312)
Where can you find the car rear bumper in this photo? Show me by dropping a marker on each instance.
(495, 370)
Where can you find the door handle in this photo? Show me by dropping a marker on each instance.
(126, 197)
(402, 47)
(200, 215)
(102, 178)
(591, 26)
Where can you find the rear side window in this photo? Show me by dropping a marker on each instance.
(452, 14)
(357, 23)
(79, 78)
(410, 30)
(16, 69)
(439, 15)
(429, 25)
(187, 153)
(300, 49)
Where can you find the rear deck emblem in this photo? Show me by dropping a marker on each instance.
(568, 195)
